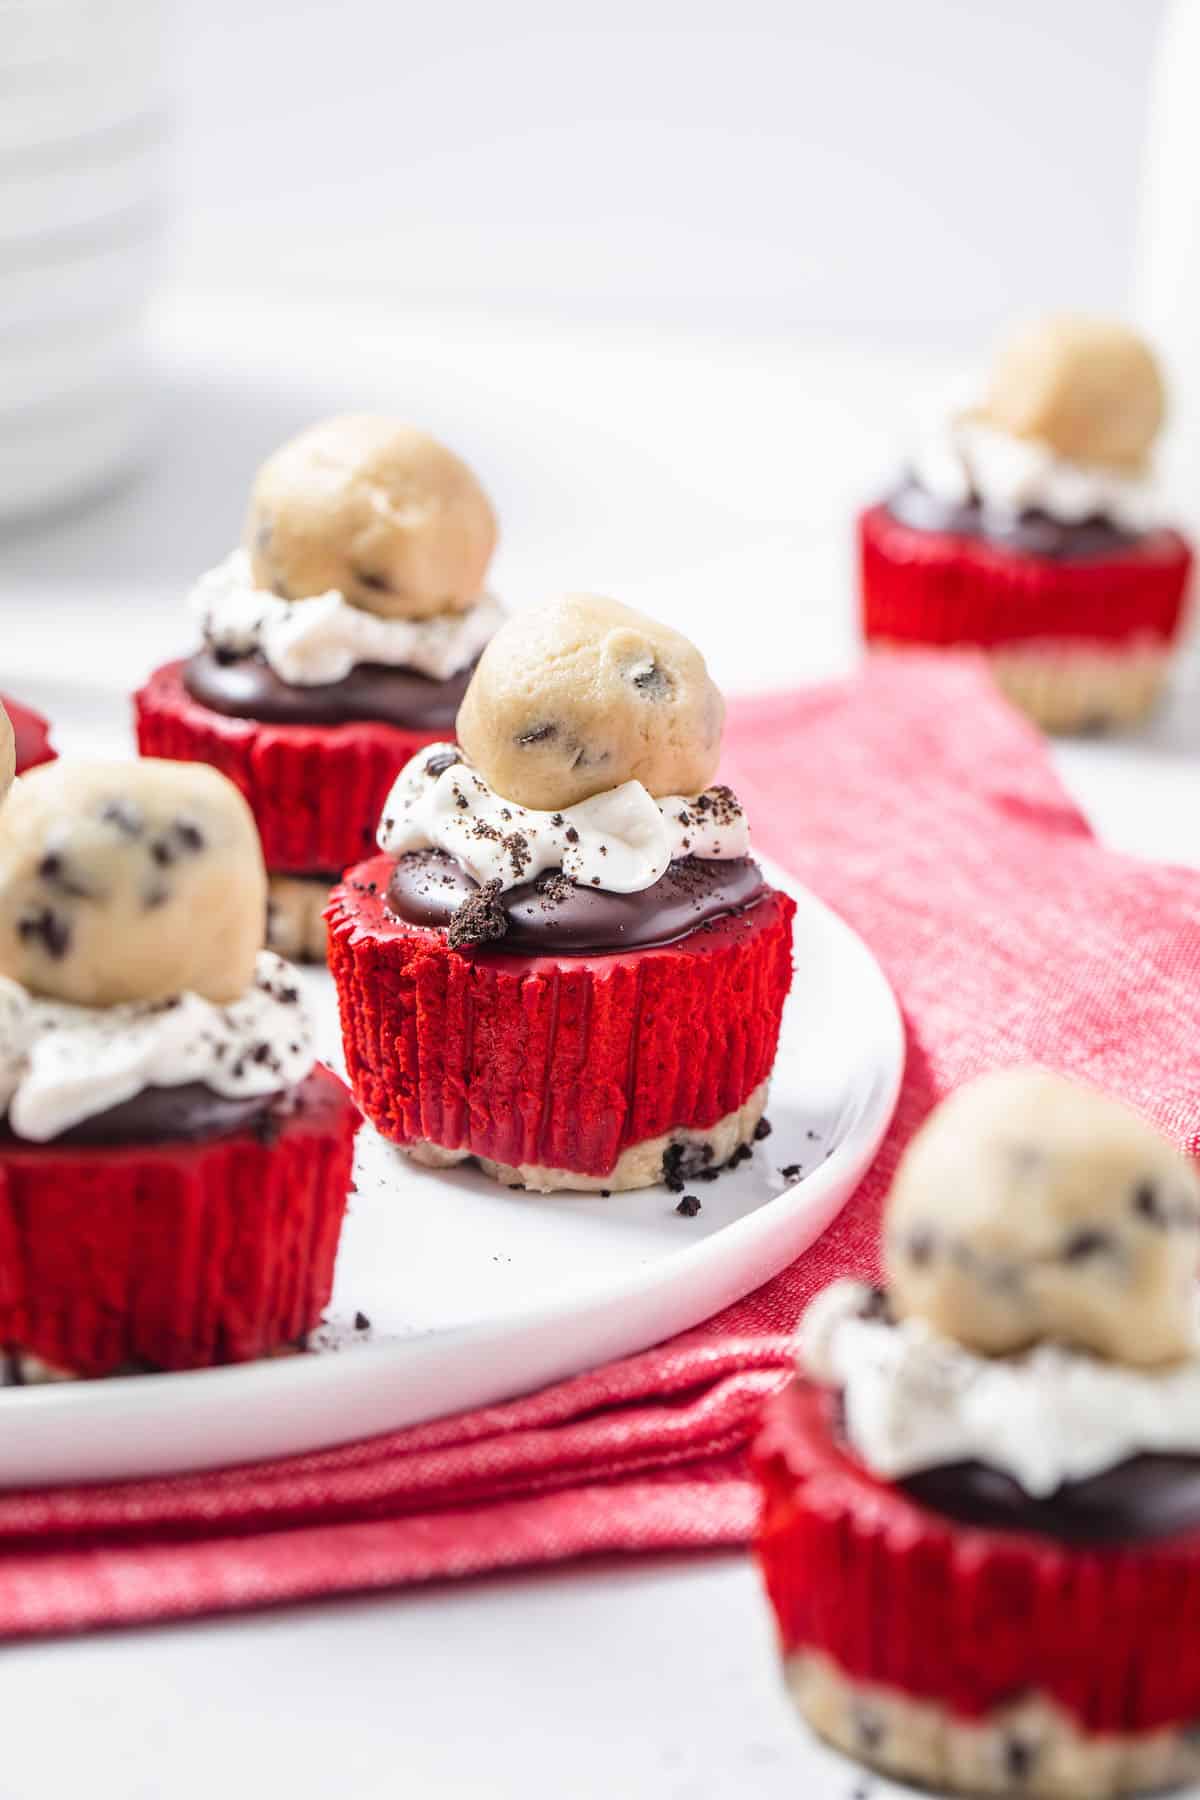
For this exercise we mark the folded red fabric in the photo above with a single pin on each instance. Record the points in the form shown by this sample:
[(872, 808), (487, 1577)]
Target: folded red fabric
[(916, 803)]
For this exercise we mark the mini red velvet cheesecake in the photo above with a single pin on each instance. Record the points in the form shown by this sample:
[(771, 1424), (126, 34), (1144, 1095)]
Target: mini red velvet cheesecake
[(336, 643), (32, 734), (1027, 528), (174, 1166), (562, 965), (980, 1530)]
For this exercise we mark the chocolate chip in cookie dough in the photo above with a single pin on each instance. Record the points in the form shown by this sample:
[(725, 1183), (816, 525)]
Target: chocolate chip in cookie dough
[(49, 929), (53, 869), (1147, 1204), (480, 919), (124, 817), (651, 679), (437, 765), (920, 1247), (1086, 1243), (538, 734)]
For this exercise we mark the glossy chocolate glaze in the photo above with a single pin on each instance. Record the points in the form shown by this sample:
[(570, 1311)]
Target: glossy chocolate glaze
[(246, 687), (184, 1114), (1034, 533), (1145, 1497), (553, 917)]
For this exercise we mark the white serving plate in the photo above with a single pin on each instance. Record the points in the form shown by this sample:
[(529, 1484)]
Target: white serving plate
[(475, 1293)]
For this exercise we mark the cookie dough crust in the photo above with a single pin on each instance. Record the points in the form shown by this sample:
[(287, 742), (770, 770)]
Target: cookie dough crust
[(638, 1166), (1073, 691), (1030, 1748)]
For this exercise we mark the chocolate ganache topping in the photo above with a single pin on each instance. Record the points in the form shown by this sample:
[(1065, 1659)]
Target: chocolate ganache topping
[(247, 687), (1143, 1497), (554, 916), (189, 1113), (1033, 532)]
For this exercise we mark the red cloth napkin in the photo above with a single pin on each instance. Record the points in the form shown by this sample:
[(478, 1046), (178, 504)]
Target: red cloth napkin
[(927, 813)]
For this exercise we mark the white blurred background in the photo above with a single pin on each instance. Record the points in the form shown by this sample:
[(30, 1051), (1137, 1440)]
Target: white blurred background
[(674, 277), (911, 172)]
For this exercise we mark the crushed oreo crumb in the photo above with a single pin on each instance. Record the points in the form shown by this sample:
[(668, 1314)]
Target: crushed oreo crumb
[(361, 1322), (792, 1172), (683, 1163), (689, 1206), (553, 887), (762, 1130), (480, 919)]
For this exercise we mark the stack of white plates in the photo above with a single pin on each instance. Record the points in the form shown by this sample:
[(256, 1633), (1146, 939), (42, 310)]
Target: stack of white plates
[(81, 201)]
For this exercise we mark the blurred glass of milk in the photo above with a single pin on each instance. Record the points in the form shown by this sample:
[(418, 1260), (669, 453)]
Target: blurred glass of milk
[(1167, 289), (82, 129)]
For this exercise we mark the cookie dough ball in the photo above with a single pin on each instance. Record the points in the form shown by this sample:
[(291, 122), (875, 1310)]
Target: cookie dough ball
[(8, 753), (582, 695), (388, 516), (1089, 388), (1030, 1208), (129, 881)]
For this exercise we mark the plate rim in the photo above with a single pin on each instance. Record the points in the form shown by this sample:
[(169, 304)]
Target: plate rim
[(293, 1381)]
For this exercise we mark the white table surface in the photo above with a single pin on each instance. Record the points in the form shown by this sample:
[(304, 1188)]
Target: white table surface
[(710, 481)]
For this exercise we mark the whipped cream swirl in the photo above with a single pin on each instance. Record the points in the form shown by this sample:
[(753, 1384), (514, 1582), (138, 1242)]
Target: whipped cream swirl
[(914, 1400), (622, 840), (310, 643), (61, 1064), (968, 459)]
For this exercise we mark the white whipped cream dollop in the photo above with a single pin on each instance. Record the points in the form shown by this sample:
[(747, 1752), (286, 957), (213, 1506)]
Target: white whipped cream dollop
[(964, 458), (61, 1064), (913, 1400), (622, 840), (311, 642)]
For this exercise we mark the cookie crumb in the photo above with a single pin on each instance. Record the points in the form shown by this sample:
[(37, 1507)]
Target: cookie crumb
[(689, 1206), (792, 1172), (361, 1322), (480, 919), (762, 1130)]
